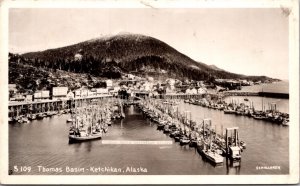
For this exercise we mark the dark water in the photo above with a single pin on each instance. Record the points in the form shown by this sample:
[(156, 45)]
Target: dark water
[(45, 143)]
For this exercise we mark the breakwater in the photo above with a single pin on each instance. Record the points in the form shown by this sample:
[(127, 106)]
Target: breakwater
[(261, 94), (224, 94)]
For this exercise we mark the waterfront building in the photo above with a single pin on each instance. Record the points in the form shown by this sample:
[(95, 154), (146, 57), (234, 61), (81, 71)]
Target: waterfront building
[(92, 93), (28, 98), (18, 97), (70, 95), (45, 94), (101, 91), (37, 96), (59, 93), (84, 92), (77, 93)]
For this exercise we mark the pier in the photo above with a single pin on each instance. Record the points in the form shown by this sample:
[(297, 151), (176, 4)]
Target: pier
[(215, 95), (35, 107), (201, 135), (261, 94)]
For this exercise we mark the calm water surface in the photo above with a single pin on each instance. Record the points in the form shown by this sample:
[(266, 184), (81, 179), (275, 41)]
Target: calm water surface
[(45, 143), (277, 87)]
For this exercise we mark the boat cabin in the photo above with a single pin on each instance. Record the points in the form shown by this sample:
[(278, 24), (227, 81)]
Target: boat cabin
[(235, 152)]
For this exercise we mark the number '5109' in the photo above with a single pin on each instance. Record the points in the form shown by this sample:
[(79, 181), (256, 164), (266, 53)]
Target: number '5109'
[(22, 169)]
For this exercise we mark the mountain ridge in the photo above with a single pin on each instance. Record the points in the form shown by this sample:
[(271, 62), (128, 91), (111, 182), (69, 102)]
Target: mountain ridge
[(124, 53)]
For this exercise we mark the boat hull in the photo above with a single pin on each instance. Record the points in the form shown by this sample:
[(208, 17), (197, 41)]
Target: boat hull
[(74, 139)]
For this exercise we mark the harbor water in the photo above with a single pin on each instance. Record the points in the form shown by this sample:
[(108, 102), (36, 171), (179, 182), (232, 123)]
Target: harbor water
[(275, 87), (43, 146)]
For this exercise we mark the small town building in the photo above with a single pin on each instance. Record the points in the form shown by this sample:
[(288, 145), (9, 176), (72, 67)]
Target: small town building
[(37, 96), (84, 93), (28, 98), (92, 93), (109, 83), (45, 94), (77, 93), (70, 95), (59, 93), (18, 97), (101, 91)]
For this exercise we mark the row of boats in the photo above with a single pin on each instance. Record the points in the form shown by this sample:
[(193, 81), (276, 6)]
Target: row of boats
[(271, 115), (89, 122), (29, 117), (211, 145)]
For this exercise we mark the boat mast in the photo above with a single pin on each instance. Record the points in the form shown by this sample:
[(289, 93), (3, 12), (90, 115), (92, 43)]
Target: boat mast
[(262, 100)]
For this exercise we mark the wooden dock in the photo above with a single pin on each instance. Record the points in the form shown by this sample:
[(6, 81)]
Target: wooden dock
[(22, 108)]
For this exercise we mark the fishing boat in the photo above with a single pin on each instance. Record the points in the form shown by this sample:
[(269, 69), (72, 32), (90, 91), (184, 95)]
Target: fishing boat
[(23, 119), (84, 137), (70, 120), (10, 120), (206, 147), (233, 145), (286, 122), (235, 152), (40, 116), (214, 157), (243, 144), (108, 122), (32, 116), (193, 143), (184, 140), (229, 111), (86, 127), (167, 129), (161, 125), (259, 117), (178, 137)]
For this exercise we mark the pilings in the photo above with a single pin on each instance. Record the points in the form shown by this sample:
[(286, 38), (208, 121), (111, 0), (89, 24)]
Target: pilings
[(22, 108)]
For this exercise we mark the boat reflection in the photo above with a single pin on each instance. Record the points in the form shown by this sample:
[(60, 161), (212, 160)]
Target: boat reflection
[(233, 167)]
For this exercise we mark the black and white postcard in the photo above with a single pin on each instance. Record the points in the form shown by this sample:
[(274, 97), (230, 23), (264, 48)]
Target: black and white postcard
[(148, 92)]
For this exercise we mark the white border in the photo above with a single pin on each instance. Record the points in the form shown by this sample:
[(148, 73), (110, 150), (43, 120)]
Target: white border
[(293, 177)]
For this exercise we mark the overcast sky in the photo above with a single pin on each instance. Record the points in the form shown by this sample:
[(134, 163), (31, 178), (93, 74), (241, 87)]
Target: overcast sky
[(246, 41)]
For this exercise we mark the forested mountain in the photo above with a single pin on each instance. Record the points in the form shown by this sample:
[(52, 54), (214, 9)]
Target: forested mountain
[(109, 56)]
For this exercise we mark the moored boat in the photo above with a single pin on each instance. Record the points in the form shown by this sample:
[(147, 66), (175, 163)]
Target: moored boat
[(184, 140), (286, 122), (79, 138), (40, 116), (213, 157)]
